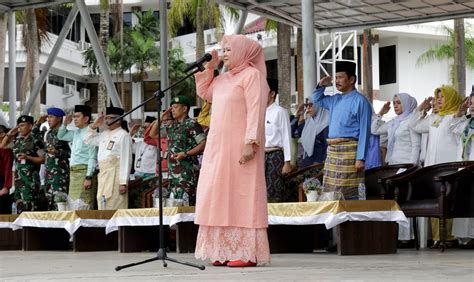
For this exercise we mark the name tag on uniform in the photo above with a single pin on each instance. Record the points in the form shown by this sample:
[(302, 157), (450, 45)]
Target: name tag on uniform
[(110, 145)]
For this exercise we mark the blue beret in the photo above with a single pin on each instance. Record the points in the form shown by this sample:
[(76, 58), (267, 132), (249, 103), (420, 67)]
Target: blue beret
[(56, 112)]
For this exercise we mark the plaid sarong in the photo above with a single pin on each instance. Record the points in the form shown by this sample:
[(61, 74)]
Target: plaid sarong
[(339, 170)]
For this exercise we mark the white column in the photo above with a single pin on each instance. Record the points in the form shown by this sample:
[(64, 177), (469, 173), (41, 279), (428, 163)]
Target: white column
[(12, 68), (309, 58), (137, 99)]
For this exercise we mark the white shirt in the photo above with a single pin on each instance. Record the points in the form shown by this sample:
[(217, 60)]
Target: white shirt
[(277, 129), (145, 156), (406, 146), (442, 143), (113, 143)]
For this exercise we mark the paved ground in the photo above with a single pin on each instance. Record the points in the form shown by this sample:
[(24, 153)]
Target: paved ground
[(454, 265)]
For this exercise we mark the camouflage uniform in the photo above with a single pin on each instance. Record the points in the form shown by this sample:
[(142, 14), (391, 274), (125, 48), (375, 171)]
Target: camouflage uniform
[(28, 195), (56, 166), (183, 175)]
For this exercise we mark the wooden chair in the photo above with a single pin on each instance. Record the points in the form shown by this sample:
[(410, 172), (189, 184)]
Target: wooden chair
[(295, 179), (432, 191), (374, 184)]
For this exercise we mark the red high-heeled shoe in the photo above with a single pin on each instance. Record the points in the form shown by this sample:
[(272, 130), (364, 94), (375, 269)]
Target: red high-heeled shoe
[(239, 263), (218, 263)]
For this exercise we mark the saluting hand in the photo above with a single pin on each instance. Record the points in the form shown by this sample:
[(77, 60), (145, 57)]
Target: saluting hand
[(385, 108), (462, 110), (68, 119), (98, 122), (425, 105), (134, 129), (41, 119), (325, 81)]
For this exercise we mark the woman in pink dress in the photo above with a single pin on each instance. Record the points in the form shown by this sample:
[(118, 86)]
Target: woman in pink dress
[(231, 201)]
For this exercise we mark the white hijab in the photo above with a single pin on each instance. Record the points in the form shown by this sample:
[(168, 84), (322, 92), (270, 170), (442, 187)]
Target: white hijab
[(312, 127), (409, 104)]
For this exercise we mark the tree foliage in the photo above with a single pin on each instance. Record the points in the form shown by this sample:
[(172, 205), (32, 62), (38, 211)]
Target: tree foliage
[(445, 51)]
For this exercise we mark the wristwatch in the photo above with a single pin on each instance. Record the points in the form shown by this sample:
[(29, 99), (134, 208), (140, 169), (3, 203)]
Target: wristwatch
[(186, 154), (88, 177)]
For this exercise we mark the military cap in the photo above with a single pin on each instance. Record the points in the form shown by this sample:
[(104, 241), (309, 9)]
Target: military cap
[(25, 118), (149, 119), (114, 111), (181, 99), (57, 112)]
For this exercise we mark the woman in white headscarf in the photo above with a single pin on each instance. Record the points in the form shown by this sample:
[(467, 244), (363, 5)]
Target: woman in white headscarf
[(313, 133), (403, 142)]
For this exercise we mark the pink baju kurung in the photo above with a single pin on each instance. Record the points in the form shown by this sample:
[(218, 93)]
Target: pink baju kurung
[(231, 203)]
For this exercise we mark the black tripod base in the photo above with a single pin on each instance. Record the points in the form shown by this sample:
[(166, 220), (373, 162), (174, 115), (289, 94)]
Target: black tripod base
[(163, 257)]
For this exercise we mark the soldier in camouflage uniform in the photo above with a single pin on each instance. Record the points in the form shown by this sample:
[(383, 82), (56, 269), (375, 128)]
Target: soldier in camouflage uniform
[(28, 150), (186, 140), (57, 158)]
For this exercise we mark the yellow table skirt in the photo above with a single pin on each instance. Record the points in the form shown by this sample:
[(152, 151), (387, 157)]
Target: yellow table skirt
[(69, 220), (330, 213)]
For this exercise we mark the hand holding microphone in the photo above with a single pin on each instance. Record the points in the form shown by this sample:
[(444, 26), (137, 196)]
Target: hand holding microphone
[(206, 58)]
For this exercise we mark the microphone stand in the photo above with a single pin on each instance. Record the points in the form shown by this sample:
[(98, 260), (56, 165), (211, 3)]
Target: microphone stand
[(161, 254)]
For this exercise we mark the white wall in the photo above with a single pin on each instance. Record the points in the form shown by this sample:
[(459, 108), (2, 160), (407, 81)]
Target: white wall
[(56, 98), (418, 80)]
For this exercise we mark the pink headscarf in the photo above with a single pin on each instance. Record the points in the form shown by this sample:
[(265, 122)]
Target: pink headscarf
[(245, 52)]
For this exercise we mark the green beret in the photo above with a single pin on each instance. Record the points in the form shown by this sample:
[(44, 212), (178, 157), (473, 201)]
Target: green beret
[(180, 100)]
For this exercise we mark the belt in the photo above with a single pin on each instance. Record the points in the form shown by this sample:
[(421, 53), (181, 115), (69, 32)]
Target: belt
[(272, 149), (335, 141), (78, 167)]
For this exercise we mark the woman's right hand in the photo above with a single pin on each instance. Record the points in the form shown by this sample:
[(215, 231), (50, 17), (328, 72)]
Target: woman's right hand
[(248, 154), (462, 110), (425, 105), (212, 64), (385, 108)]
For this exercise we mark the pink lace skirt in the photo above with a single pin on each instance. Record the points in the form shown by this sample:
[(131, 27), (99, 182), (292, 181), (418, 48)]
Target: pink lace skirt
[(222, 244)]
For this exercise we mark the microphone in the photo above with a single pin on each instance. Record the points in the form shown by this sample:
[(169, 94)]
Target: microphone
[(206, 58)]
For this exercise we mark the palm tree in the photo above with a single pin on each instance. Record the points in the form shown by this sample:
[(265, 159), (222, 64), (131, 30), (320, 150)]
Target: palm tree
[(3, 32), (35, 23), (283, 59), (199, 12), (447, 51), (102, 97)]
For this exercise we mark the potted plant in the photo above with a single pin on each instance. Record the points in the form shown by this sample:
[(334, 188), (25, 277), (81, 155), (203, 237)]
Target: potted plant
[(61, 201), (312, 187)]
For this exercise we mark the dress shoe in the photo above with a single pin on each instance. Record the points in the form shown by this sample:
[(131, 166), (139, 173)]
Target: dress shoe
[(239, 263), (218, 263), (331, 249)]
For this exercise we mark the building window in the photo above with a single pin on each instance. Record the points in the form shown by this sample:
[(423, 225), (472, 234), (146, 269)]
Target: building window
[(70, 82), (56, 80), (388, 64)]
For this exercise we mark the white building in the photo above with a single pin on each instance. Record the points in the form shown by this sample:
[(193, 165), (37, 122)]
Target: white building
[(394, 61)]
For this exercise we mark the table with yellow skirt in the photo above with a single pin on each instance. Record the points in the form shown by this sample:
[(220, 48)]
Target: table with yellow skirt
[(55, 230), (363, 227)]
